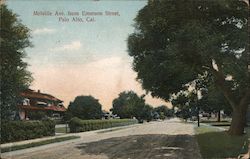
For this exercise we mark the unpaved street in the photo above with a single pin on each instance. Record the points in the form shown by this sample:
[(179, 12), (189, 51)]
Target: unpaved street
[(170, 139)]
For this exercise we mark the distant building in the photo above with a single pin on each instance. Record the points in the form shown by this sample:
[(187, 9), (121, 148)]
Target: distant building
[(33, 101), (109, 115)]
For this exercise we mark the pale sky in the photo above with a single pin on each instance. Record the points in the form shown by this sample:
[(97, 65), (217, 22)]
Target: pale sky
[(81, 58)]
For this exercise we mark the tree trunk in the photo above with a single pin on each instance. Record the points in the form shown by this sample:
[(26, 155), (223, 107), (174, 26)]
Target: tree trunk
[(239, 106), (239, 116), (218, 117), (238, 122)]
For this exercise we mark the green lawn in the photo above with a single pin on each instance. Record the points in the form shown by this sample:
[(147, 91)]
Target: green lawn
[(216, 123), (218, 144), (62, 130), (34, 144)]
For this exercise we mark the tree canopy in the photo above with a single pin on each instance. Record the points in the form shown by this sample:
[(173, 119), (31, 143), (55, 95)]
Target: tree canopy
[(129, 105), (186, 102), (14, 38), (176, 41), (85, 107)]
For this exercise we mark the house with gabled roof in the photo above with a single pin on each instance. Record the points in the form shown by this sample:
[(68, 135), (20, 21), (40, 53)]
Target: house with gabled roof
[(34, 101)]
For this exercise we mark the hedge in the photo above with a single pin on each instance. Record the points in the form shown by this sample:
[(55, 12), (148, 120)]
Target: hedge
[(79, 125), (12, 131)]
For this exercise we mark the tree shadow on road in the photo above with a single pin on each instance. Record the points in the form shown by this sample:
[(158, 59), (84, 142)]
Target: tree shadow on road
[(152, 146)]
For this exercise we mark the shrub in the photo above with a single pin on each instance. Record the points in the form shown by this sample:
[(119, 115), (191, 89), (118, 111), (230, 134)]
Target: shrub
[(78, 125), (12, 131)]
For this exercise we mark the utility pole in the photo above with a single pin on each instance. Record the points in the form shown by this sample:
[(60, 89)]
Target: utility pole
[(198, 113), (199, 97)]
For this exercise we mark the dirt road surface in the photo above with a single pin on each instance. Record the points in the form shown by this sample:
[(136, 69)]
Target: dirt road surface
[(170, 139)]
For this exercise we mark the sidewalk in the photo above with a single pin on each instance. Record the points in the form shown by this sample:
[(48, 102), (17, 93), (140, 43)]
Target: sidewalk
[(34, 140), (83, 136), (61, 135), (206, 124)]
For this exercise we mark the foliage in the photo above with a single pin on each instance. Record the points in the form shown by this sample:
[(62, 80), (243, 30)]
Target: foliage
[(162, 116), (14, 38), (147, 112), (78, 125), (214, 101), (121, 105), (186, 102), (176, 41), (67, 116), (211, 99), (36, 115), (129, 105), (164, 110), (12, 131), (85, 107)]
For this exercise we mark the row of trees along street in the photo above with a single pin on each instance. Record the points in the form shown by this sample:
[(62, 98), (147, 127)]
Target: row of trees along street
[(175, 42), (200, 95), (127, 105)]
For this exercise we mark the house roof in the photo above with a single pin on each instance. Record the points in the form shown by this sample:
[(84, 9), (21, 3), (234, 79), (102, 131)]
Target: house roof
[(33, 94)]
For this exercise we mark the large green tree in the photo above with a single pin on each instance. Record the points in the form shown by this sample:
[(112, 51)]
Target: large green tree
[(85, 107), (129, 105), (176, 41), (14, 77), (120, 104)]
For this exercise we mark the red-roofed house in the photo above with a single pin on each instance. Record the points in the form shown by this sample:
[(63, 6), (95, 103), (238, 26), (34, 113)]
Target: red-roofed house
[(36, 101)]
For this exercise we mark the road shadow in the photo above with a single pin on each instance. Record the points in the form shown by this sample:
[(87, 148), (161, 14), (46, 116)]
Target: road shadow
[(153, 146)]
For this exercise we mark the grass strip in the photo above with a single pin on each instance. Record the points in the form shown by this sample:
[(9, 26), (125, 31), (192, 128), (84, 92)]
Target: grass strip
[(35, 144), (221, 124), (215, 121), (219, 144)]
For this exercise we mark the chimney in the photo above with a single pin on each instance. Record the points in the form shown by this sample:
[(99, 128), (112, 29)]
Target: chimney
[(38, 91)]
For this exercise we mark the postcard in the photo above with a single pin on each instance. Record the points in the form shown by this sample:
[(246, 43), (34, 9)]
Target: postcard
[(127, 79)]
